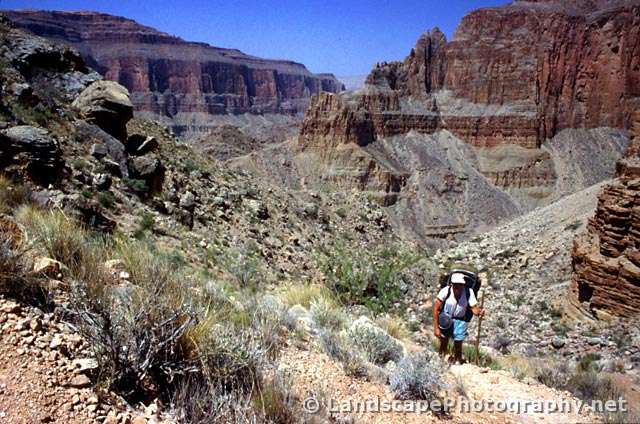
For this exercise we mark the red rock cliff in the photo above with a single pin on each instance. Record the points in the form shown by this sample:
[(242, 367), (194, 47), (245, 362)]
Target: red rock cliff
[(519, 74), (167, 75), (606, 260)]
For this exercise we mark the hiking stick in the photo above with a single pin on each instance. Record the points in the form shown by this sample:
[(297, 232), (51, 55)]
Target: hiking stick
[(479, 327)]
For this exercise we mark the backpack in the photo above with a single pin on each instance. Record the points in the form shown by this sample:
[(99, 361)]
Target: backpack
[(472, 282)]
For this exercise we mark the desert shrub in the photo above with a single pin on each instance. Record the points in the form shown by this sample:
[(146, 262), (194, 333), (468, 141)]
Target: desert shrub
[(145, 225), (585, 383), (371, 279), (195, 401), (269, 318), (326, 314), (393, 325), (375, 344), (137, 186), (15, 281), (106, 199), (228, 355), (136, 330), (621, 417), (417, 377), (590, 385), (336, 346), (275, 402), (483, 359), (460, 386), (63, 238), (554, 374), (12, 194), (588, 362), (560, 328), (519, 366), (244, 263)]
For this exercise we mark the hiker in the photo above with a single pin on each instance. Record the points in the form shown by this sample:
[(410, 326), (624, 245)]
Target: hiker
[(452, 320)]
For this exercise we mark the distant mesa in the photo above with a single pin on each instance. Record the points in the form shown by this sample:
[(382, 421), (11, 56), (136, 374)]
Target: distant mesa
[(181, 83)]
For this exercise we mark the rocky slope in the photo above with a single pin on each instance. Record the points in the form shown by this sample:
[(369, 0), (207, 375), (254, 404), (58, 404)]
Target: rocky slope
[(184, 82), (606, 262), (527, 103)]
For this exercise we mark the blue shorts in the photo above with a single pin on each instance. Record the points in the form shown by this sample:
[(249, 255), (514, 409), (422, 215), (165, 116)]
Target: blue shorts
[(458, 330)]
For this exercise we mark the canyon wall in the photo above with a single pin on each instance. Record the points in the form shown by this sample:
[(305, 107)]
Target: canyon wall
[(183, 82), (606, 260), (515, 84)]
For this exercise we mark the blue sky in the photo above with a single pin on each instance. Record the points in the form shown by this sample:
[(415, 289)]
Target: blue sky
[(343, 37)]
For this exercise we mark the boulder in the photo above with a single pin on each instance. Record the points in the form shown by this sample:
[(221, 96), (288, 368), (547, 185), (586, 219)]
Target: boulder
[(47, 266), (139, 144), (102, 181), (188, 201), (33, 149), (91, 213), (150, 170), (106, 104), (104, 147)]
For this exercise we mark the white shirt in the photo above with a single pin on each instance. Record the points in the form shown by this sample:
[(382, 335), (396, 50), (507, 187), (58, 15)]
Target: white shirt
[(457, 308)]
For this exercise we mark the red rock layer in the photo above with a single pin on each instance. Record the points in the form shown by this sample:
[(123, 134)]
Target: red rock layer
[(167, 75), (570, 64), (606, 260)]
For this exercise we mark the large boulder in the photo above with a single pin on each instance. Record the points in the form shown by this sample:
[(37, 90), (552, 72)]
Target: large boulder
[(32, 149), (106, 104), (149, 169)]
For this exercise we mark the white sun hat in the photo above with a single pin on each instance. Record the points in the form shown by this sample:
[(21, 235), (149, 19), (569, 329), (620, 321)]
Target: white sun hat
[(458, 278)]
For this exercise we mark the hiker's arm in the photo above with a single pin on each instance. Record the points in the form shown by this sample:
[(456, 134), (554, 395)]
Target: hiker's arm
[(436, 311), (477, 311)]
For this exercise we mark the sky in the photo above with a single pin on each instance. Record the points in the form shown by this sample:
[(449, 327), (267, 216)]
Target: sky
[(343, 37)]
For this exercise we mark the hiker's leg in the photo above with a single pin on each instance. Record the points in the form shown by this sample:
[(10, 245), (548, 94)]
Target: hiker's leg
[(457, 350), (444, 345), (459, 334)]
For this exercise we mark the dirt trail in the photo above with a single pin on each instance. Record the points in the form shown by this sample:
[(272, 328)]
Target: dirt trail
[(315, 373), (500, 386)]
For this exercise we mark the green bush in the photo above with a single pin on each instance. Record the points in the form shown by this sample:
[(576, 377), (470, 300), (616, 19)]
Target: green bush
[(145, 226), (137, 186), (106, 199), (374, 280)]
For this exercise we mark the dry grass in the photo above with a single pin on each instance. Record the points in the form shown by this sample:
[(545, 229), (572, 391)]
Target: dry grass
[(393, 325), (61, 237), (12, 195), (304, 294)]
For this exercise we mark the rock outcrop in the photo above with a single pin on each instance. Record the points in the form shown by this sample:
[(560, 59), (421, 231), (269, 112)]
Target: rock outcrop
[(106, 104), (34, 150), (173, 78), (511, 91), (606, 260)]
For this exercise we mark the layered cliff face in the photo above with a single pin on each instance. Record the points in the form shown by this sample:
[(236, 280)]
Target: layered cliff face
[(606, 260), (171, 78), (533, 88)]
